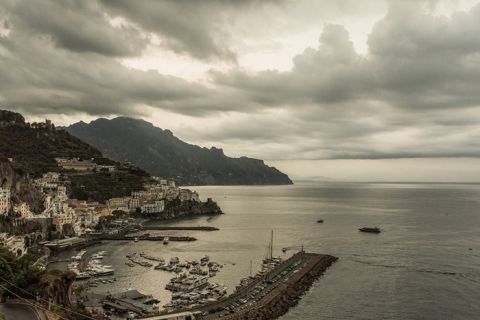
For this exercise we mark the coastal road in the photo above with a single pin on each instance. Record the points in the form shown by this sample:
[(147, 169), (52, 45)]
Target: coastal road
[(16, 311)]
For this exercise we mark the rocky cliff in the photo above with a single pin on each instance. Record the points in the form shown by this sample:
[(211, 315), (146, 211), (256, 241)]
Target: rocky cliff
[(160, 153), (20, 186)]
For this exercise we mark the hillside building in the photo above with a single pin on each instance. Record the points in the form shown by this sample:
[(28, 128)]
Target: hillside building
[(4, 201)]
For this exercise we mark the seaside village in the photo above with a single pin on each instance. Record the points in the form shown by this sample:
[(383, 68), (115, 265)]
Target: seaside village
[(81, 215), (55, 222)]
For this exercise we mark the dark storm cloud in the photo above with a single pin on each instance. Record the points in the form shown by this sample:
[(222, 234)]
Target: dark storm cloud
[(394, 101), (57, 58), (191, 27), (38, 78), (77, 26), (414, 94)]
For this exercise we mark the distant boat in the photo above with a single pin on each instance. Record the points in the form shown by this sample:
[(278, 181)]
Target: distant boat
[(320, 221), (370, 230)]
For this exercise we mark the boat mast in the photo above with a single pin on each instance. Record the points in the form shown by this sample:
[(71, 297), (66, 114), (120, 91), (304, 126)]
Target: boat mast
[(271, 246)]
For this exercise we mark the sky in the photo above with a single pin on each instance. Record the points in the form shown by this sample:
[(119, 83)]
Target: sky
[(361, 90)]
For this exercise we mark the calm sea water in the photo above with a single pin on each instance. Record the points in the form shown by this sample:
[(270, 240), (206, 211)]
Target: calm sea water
[(424, 265)]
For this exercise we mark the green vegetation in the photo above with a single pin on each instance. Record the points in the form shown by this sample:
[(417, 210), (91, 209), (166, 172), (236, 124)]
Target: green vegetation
[(102, 186), (34, 150), (18, 272)]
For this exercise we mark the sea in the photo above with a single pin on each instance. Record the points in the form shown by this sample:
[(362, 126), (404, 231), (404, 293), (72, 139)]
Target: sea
[(424, 265)]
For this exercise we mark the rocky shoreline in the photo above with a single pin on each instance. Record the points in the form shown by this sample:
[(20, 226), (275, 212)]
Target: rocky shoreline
[(185, 209), (289, 296)]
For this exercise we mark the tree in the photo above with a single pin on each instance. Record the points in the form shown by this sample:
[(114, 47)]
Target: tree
[(118, 213)]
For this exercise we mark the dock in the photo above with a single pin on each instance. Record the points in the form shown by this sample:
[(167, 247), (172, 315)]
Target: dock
[(148, 238), (165, 228), (267, 297), (273, 296), (70, 243)]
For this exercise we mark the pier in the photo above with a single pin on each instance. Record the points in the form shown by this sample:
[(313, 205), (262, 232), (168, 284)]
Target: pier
[(165, 228), (273, 296), (148, 238)]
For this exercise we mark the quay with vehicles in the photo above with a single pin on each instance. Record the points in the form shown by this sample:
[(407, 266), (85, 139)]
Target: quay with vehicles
[(267, 295)]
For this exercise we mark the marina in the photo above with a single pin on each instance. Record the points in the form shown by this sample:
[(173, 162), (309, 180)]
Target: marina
[(239, 246), (190, 286), (94, 267)]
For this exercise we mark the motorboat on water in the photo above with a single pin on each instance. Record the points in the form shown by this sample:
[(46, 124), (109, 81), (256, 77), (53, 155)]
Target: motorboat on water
[(370, 230)]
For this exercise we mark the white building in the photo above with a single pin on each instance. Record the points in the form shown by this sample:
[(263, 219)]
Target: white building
[(120, 204), (107, 168), (76, 164), (15, 244), (188, 195), (153, 207), (133, 204), (4, 200)]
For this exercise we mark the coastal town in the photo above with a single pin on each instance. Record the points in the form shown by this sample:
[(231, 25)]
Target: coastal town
[(63, 205), (72, 217)]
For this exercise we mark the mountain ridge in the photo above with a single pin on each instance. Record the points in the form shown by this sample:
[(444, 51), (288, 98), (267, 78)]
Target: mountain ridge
[(161, 153)]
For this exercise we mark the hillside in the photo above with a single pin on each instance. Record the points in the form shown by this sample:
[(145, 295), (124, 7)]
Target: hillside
[(34, 147), (17, 181), (160, 153)]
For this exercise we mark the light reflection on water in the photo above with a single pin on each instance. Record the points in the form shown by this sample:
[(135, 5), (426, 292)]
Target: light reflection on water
[(420, 267)]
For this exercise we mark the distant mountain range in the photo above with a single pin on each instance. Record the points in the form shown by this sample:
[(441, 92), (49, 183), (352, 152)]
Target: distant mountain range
[(160, 153)]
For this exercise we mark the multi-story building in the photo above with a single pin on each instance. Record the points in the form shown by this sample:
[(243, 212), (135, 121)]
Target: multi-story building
[(76, 164), (118, 204), (133, 204), (85, 219), (153, 206), (4, 201), (188, 195), (23, 209), (60, 219)]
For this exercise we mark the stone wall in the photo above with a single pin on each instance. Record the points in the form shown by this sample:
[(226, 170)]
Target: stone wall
[(289, 295)]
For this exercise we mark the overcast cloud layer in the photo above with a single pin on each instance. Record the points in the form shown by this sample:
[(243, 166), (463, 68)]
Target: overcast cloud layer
[(276, 79)]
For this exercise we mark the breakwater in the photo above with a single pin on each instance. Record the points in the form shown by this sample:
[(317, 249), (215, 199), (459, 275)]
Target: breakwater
[(287, 295), (148, 238), (164, 228), (295, 277)]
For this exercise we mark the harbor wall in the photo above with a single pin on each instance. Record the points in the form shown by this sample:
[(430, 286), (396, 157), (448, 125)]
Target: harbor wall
[(286, 295)]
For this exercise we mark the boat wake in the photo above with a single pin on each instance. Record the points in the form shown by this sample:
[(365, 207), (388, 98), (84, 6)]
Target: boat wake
[(407, 268)]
